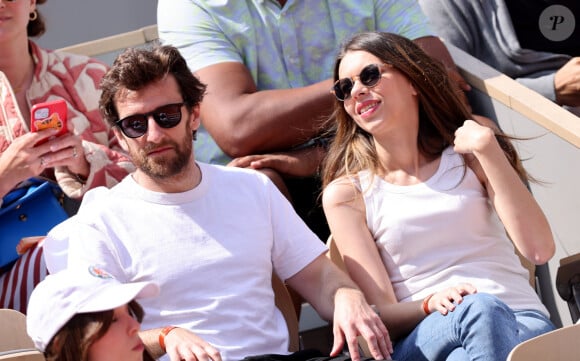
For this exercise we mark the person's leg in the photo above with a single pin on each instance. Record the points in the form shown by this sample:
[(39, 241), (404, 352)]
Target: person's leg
[(482, 325), (532, 324), (459, 354), (432, 339)]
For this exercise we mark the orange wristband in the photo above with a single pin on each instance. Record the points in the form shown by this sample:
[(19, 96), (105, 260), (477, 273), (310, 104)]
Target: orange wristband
[(425, 304), (162, 335)]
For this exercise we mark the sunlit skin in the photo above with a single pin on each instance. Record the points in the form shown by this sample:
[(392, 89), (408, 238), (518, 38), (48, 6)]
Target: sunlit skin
[(14, 16), (121, 342), (388, 106), (389, 112), (163, 157)]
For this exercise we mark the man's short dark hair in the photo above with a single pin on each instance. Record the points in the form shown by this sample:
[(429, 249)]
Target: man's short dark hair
[(136, 68)]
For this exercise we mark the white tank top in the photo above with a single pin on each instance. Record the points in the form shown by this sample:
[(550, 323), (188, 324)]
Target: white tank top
[(443, 232)]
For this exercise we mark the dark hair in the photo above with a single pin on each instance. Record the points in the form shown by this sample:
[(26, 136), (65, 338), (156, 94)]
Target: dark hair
[(441, 108), (136, 68), (37, 26), (73, 340)]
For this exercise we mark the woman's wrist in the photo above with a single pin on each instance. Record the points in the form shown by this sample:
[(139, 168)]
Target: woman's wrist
[(425, 304), (163, 334)]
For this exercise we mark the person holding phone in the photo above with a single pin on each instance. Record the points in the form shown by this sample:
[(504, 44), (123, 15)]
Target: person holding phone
[(86, 314), (86, 156)]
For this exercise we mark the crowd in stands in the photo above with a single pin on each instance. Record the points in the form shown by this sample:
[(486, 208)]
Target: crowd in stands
[(229, 153), (534, 42)]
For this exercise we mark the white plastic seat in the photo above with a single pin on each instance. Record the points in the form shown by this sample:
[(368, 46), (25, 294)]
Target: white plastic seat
[(562, 344), (15, 344)]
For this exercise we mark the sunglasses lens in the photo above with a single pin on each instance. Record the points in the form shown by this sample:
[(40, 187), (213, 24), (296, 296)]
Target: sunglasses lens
[(134, 126), (168, 116), (370, 75), (342, 88)]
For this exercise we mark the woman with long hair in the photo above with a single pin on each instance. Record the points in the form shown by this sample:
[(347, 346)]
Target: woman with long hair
[(419, 198)]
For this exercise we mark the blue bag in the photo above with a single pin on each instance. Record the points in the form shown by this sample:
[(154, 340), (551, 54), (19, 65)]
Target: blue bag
[(30, 210)]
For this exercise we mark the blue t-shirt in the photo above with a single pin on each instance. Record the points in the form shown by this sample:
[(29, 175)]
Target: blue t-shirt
[(282, 47)]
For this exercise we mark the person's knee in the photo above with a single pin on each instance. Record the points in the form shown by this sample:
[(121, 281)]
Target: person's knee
[(484, 305)]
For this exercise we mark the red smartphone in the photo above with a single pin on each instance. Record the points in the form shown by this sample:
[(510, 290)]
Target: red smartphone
[(47, 115)]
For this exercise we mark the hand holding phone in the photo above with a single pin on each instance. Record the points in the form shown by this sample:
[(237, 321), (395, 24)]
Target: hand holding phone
[(48, 115)]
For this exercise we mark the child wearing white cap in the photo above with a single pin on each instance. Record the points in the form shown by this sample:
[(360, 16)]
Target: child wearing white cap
[(87, 315)]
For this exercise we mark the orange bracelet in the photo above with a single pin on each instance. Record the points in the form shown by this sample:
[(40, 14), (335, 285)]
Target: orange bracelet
[(425, 304), (162, 335)]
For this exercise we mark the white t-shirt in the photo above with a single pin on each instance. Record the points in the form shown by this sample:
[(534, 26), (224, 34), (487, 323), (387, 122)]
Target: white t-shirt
[(211, 249)]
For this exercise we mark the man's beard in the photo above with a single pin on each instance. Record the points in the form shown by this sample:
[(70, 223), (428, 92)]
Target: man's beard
[(167, 166)]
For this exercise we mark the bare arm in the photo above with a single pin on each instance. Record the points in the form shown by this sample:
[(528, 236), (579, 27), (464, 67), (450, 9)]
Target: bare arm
[(243, 120), (516, 207), (335, 297), (345, 212)]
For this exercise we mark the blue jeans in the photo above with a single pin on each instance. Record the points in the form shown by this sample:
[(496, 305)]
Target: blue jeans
[(480, 328)]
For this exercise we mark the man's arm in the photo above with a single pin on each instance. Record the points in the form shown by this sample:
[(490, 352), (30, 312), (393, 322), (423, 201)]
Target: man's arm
[(336, 297), (245, 121)]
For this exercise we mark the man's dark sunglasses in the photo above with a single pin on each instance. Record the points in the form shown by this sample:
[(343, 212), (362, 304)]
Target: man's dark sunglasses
[(369, 77), (166, 116)]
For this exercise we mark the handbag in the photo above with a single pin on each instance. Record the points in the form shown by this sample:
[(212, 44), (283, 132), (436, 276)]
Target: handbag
[(32, 209)]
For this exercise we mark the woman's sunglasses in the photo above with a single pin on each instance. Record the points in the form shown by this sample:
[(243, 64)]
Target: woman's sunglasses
[(369, 77), (166, 116)]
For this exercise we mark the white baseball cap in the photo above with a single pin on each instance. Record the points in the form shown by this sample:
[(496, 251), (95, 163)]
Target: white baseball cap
[(60, 296)]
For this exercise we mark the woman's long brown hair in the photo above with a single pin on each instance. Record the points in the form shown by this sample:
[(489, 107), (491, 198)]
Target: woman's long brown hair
[(441, 109)]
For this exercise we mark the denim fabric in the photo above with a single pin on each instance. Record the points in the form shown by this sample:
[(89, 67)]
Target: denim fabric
[(480, 328)]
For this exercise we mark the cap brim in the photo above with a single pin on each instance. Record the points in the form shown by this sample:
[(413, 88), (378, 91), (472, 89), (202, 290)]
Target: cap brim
[(113, 296)]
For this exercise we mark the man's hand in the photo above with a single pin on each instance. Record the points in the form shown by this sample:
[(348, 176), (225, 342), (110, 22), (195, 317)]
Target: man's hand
[(567, 83), (294, 163), (353, 317)]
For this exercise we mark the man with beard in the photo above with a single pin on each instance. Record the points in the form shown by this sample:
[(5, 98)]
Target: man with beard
[(210, 236)]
